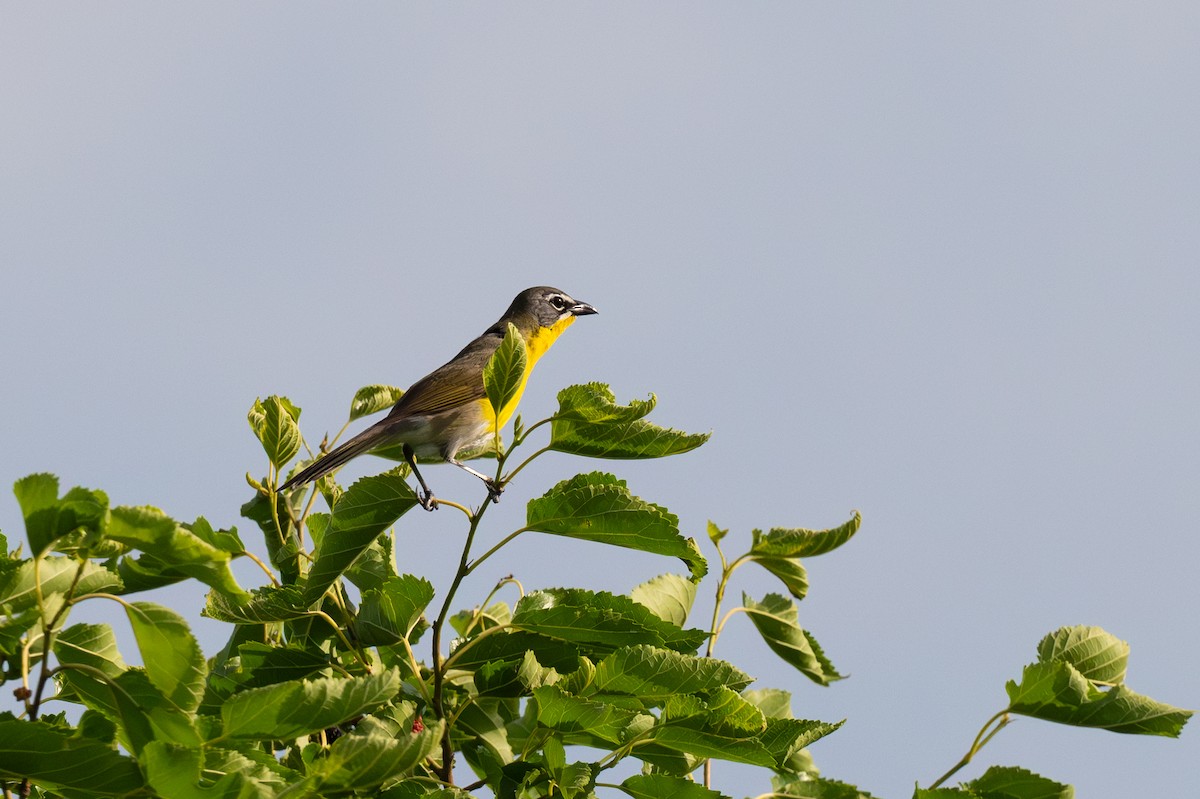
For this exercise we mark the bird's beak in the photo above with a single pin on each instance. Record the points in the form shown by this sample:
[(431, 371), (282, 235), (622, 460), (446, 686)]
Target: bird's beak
[(582, 309)]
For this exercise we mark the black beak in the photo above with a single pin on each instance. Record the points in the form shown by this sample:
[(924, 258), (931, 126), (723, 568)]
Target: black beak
[(582, 309)]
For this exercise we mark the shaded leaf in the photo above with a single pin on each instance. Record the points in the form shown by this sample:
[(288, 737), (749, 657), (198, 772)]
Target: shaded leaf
[(368, 507), (797, 543), (776, 620), (263, 605), (18, 585), (1009, 782), (58, 761), (174, 662), (1058, 692), (587, 721), (173, 547), (390, 613), (364, 762), (665, 786)]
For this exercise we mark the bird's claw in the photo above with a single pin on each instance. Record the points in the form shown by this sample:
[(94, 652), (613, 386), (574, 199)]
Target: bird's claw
[(427, 499), (494, 491)]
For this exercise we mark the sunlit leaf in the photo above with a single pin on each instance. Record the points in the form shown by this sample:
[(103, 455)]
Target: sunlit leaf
[(372, 399), (504, 374), (589, 422), (655, 674), (299, 707), (600, 622), (58, 761), (172, 656), (668, 596), (599, 507), (1099, 656)]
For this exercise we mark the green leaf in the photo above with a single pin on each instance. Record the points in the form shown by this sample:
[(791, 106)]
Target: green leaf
[(599, 507), (504, 374), (266, 664), (665, 786), (776, 620), (785, 737), (789, 570), (599, 622), (810, 786), (798, 543), (668, 596), (942, 793), (713, 744), (1096, 654), (299, 707), (369, 507), (586, 721), (176, 771), (273, 421), (19, 586), (263, 605), (55, 760), (373, 399), (92, 645), (227, 540), (589, 422), (48, 518), (174, 550), (364, 762), (513, 678), (1010, 782), (716, 534), (773, 702), (512, 645), (1058, 692), (390, 613), (654, 674), (174, 662)]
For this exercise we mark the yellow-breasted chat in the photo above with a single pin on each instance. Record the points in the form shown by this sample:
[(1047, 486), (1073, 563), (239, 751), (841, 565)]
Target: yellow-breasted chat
[(447, 411)]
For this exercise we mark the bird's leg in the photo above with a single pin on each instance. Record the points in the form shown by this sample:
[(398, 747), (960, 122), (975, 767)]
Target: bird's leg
[(424, 496), (494, 489)]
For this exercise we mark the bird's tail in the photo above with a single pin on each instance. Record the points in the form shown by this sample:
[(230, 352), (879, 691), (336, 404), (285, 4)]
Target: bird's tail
[(367, 440)]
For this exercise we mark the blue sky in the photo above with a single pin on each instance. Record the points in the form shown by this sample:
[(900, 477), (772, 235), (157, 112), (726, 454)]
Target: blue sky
[(934, 262)]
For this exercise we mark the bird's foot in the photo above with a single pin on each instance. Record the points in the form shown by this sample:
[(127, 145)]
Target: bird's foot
[(427, 499), (494, 490)]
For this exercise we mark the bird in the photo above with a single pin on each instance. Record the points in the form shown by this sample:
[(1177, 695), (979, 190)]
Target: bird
[(447, 411)]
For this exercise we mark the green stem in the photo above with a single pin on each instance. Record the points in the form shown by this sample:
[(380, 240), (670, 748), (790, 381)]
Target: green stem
[(1001, 720)]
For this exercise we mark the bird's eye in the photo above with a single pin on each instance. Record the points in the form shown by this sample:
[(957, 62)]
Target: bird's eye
[(558, 302)]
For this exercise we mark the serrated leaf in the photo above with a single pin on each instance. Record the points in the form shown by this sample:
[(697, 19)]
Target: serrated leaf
[(174, 661), (512, 645), (668, 596), (587, 721), (654, 675), (1010, 782), (362, 763), (55, 760), (810, 786), (504, 374), (589, 422), (599, 622), (599, 507), (273, 421), (267, 664), (48, 518), (785, 737), (1099, 656), (299, 707), (176, 771), (799, 543), (389, 613), (513, 678), (373, 399), (665, 786), (368, 507), (263, 605), (713, 744), (173, 549), (776, 621), (1058, 692), (789, 571), (19, 584)]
